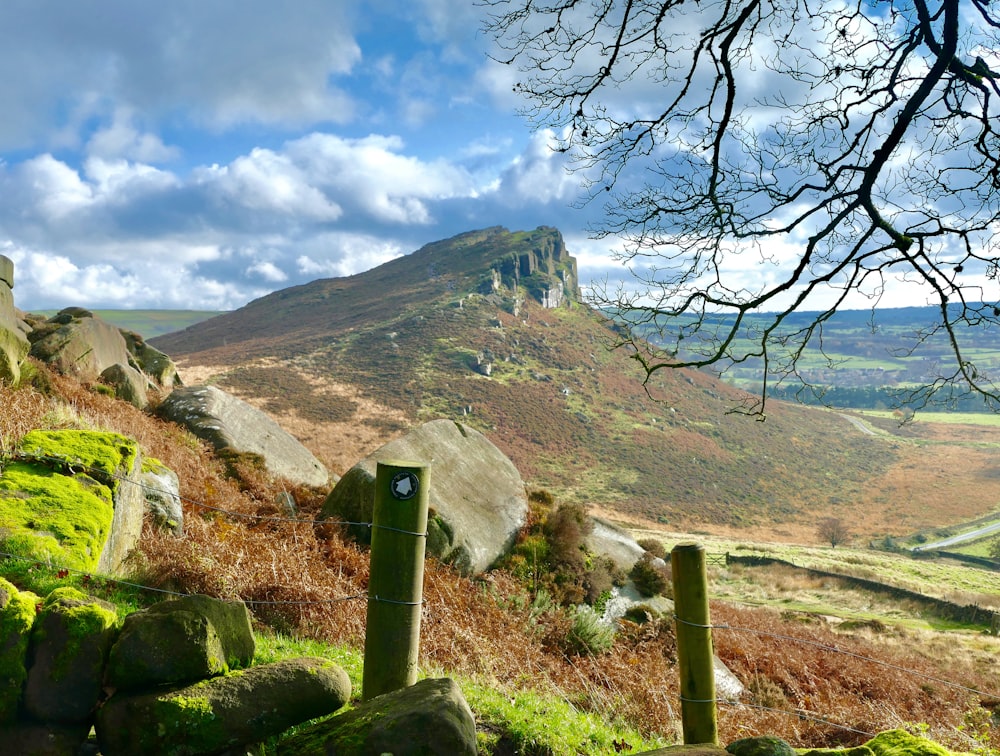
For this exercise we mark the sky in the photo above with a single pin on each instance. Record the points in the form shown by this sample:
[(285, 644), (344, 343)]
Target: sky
[(198, 155), (193, 155)]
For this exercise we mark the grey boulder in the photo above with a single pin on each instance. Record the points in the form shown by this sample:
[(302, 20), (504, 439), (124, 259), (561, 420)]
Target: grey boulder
[(477, 498), (230, 424)]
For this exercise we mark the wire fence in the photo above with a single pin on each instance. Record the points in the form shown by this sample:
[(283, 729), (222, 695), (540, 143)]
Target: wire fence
[(75, 466)]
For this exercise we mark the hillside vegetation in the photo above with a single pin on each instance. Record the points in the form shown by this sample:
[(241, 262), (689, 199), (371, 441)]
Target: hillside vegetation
[(494, 636), (348, 363)]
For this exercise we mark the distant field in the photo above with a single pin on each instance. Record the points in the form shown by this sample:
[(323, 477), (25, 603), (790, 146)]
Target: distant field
[(956, 418), (150, 323)]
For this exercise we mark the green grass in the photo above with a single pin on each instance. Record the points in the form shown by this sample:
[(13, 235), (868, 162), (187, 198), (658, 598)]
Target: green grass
[(929, 415), (935, 578)]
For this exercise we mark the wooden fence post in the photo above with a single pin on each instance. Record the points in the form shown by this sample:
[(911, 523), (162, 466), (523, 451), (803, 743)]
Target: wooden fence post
[(695, 659), (395, 584)]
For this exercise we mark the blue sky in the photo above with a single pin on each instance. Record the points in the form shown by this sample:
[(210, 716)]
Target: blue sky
[(199, 155)]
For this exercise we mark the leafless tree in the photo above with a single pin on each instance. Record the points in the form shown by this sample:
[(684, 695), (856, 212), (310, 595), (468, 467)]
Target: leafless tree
[(833, 531), (831, 149)]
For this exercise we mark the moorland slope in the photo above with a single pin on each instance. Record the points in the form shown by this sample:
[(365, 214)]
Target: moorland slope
[(458, 329)]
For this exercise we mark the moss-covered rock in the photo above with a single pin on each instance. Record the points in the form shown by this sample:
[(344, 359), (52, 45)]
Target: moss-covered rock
[(902, 743), (861, 750), (17, 615), (72, 499), (179, 641), (427, 719), (212, 716), (69, 646), (765, 745)]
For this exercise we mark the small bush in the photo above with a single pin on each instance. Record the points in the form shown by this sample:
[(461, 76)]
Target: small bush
[(654, 546), (649, 578), (767, 693), (588, 636)]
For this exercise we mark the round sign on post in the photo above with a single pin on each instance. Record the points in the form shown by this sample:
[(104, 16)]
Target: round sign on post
[(404, 485)]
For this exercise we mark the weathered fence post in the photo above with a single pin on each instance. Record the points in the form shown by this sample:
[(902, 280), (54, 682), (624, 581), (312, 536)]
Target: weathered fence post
[(695, 659), (395, 584)]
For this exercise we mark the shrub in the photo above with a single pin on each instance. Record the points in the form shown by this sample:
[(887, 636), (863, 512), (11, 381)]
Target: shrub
[(588, 636), (654, 546), (565, 530), (649, 578)]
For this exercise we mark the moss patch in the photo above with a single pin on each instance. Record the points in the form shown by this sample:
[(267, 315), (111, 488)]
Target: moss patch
[(103, 454), (188, 719), (51, 517)]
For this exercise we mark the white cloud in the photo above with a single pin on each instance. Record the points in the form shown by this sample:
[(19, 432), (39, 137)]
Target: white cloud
[(122, 140), (265, 180), (268, 271), (373, 175)]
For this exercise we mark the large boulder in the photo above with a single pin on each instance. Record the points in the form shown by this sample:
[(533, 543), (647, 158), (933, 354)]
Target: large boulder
[(75, 342), (224, 712), (180, 640), (477, 498), (73, 498), (230, 424), (69, 645), (13, 344), (427, 719)]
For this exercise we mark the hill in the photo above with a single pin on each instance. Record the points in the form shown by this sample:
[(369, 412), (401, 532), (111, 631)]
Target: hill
[(459, 329)]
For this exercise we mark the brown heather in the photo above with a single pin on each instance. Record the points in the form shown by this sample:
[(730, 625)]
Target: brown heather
[(484, 626)]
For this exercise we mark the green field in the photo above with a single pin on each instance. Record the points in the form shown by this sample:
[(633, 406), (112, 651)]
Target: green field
[(149, 323)]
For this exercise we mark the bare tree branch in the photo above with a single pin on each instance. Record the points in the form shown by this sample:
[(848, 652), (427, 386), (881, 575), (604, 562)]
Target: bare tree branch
[(836, 149)]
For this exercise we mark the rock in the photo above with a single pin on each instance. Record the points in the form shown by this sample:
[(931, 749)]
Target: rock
[(151, 361), (431, 717), (14, 346), (76, 343), (224, 712), (69, 645), (129, 384), (286, 506), (616, 544), (162, 490), (17, 615), (47, 739), (180, 640), (765, 745), (85, 502), (229, 423), (477, 498)]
